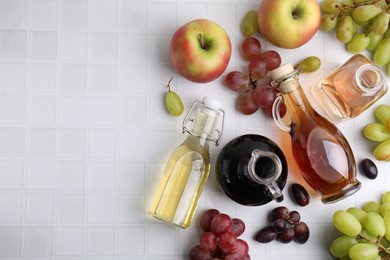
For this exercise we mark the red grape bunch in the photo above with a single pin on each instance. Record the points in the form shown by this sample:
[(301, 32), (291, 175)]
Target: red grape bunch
[(286, 226), (219, 239), (254, 88)]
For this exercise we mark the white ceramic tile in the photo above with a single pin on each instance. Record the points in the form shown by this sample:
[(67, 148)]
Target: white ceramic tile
[(72, 142), (42, 110), (74, 14), (41, 174), (104, 46), (101, 241), (165, 247), (12, 109), (102, 142), (69, 240), (73, 110), (42, 142), (13, 44), (104, 14), (44, 45), (74, 45), (130, 44), (44, 14), (102, 175), (132, 176), (130, 245), (167, 10), (159, 48), (101, 207), (71, 175), (12, 174), (134, 15), (40, 207), (133, 111), (165, 139), (73, 78), (12, 207), (133, 79), (132, 144), (13, 13), (131, 208), (70, 207), (38, 240), (11, 237), (12, 141), (104, 79), (102, 110), (43, 77), (13, 77)]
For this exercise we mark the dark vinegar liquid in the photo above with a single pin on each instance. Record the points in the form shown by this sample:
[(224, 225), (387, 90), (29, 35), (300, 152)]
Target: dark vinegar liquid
[(232, 169), (322, 154)]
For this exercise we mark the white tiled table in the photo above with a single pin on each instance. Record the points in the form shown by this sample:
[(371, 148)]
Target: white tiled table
[(84, 134)]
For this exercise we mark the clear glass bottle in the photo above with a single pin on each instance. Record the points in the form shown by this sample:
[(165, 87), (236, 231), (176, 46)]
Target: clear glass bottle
[(252, 170), (351, 88), (321, 151), (188, 167)]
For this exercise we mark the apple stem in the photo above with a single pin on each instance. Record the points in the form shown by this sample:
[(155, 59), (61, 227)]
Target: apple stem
[(168, 84), (201, 41)]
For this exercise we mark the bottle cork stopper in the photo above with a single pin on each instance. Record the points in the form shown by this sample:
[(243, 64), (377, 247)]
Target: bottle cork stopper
[(282, 71)]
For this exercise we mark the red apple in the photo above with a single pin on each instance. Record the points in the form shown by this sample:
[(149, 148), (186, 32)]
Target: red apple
[(200, 50), (289, 23)]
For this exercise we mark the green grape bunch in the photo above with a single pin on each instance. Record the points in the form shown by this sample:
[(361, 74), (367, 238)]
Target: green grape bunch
[(379, 132), (360, 25), (364, 232)]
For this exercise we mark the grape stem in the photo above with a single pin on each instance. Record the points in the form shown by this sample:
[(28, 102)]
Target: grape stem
[(383, 251), (341, 8), (252, 82), (169, 84)]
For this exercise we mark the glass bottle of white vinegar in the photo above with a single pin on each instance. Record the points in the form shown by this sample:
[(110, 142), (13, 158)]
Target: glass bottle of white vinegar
[(188, 167)]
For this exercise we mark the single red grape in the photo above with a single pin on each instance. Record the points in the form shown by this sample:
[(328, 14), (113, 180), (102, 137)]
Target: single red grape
[(206, 218), (258, 68), (246, 104), (272, 58), (250, 48), (302, 232), (237, 81), (286, 236), (208, 241), (220, 224), (227, 242), (264, 95), (198, 253), (238, 227)]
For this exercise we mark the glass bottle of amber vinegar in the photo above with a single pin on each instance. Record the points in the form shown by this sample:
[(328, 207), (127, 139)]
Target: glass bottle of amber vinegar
[(321, 151)]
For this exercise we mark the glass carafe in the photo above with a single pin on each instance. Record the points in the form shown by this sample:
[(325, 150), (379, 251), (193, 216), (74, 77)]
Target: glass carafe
[(252, 170), (351, 88), (321, 151), (188, 167)]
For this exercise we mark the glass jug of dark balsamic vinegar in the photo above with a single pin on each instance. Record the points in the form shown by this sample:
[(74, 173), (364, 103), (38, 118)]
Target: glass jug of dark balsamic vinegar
[(252, 170), (321, 151)]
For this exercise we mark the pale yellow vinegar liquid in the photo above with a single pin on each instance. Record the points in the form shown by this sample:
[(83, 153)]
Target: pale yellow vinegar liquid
[(182, 183)]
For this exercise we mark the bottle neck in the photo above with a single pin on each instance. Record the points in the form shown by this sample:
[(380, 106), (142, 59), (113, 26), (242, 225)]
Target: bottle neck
[(369, 79), (204, 124)]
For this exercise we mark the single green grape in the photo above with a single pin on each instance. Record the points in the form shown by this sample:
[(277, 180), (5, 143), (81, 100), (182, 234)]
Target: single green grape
[(380, 23), (382, 151), (382, 113), (363, 251), (346, 223), (328, 22), (366, 12), (366, 237), (375, 39), (173, 102), (330, 6), (384, 209), (345, 29), (382, 53), (371, 206), (388, 69), (358, 213), (341, 245), (386, 220), (309, 64), (249, 25), (358, 43), (385, 197), (374, 224), (376, 132)]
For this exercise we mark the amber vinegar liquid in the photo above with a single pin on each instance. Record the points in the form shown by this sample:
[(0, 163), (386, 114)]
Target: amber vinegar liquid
[(321, 152)]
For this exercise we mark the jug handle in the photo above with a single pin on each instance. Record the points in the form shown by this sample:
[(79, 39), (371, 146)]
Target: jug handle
[(276, 115)]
